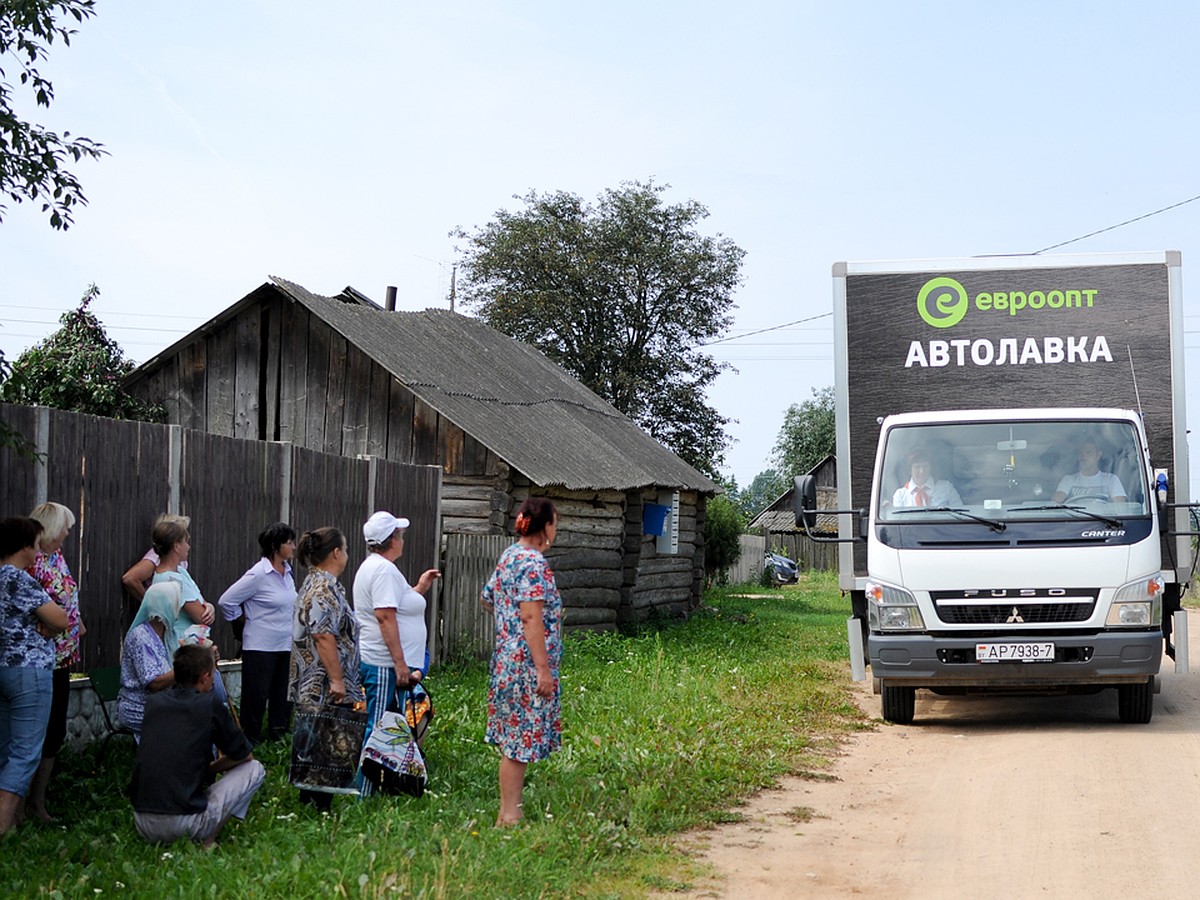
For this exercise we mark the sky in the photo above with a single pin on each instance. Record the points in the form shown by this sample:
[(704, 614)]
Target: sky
[(339, 146)]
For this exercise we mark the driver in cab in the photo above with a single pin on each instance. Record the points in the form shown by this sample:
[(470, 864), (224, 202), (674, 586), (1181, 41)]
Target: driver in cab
[(923, 489), (1089, 482)]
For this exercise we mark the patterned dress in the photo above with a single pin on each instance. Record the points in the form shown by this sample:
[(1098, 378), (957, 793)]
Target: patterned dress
[(55, 578), (321, 608), (525, 727), (143, 658)]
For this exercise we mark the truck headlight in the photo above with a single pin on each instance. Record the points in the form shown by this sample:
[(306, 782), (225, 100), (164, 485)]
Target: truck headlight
[(892, 608), (1137, 604)]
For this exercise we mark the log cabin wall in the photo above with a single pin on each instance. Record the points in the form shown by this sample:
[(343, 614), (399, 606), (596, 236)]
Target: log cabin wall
[(669, 584), (588, 553), (610, 572)]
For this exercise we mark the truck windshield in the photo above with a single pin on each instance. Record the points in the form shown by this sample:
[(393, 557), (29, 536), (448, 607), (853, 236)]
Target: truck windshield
[(1013, 471)]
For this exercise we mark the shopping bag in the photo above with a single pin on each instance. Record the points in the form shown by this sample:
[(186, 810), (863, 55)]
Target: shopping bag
[(326, 745), (391, 759)]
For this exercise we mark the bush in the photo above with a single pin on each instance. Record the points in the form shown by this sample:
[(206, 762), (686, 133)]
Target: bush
[(723, 529)]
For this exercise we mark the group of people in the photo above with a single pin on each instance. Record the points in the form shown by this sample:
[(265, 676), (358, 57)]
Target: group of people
[(307, 645)]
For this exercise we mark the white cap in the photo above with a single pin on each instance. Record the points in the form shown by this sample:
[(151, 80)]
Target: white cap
[(381, 526)]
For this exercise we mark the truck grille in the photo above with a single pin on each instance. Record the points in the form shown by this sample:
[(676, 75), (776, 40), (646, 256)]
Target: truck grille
[(1014, 607)]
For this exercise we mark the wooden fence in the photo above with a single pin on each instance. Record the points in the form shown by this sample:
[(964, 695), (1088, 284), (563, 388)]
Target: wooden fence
[(750, 563), (808, 554), (467, 629), (118, 476)]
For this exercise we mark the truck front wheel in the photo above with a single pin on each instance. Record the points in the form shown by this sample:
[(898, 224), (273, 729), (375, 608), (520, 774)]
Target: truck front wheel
[(899, 704), (1135, 702)]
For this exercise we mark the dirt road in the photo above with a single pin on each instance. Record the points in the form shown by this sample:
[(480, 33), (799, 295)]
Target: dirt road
[(983, 798)]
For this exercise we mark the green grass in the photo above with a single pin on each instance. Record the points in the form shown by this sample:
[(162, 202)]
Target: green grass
[(664, 730)]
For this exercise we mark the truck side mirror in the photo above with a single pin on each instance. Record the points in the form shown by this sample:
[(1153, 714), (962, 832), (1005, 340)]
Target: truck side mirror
[(804, 499)]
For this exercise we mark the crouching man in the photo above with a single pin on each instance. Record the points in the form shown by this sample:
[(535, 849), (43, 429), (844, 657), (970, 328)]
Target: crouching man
[(173, 790)]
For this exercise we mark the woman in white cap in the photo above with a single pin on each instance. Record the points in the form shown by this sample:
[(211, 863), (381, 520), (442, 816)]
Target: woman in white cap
[(391, 618)]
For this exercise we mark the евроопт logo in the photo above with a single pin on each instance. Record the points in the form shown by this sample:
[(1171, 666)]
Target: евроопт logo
[(942, 302)]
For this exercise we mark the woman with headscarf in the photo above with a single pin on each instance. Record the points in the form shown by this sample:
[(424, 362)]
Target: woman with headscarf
[(146, 662)]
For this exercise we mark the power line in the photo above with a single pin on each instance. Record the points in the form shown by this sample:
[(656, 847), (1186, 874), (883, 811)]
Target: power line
[(739, 337), (104, 312), (109, 327), (1118, 225)]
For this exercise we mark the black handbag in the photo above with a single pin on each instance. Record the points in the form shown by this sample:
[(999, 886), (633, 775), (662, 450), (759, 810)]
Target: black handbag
[(326, 744)]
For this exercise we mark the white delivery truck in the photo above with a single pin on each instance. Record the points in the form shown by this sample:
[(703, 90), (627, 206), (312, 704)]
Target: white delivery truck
[(1012, 474)]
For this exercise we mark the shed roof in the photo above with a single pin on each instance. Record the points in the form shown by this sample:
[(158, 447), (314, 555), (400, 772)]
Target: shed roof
[(505, 394), (780, 515)]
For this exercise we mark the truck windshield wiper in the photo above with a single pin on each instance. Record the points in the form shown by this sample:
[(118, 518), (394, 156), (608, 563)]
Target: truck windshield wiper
[(1107, 520), (990, 523)]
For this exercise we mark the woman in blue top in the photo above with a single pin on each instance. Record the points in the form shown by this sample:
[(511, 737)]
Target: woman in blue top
[(29, 621)]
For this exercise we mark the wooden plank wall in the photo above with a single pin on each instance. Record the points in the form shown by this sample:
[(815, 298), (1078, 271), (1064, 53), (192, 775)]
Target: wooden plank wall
[(17, 475), (413, 492), (276, 372), (749, 566), (115, 476), (230, 488), (809, 554)]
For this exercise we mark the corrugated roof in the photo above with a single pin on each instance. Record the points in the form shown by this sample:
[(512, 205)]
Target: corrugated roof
[(528, 410)]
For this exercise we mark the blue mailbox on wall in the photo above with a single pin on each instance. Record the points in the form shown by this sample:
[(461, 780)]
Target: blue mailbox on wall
[(654, 518)]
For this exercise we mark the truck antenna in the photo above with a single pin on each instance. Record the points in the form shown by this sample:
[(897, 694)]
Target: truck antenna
[(1132, 371)]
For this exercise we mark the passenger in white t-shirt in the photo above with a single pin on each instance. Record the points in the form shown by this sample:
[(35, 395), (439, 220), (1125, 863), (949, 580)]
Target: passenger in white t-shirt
[(1089, 481), (391, 618)]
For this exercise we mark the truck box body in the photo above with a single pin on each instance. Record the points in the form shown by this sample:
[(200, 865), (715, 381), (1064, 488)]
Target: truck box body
[(1003, 375)]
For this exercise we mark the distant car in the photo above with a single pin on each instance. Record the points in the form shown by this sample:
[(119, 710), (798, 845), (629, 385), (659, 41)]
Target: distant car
[(782, 569)]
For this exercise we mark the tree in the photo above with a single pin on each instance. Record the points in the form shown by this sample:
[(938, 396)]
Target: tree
[(623, 294), (78, 368), (807, 436), (32, 159), (723, 527), (767, 486)]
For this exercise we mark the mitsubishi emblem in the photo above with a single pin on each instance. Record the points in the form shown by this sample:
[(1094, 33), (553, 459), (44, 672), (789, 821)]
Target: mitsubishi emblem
[(1015, 617)]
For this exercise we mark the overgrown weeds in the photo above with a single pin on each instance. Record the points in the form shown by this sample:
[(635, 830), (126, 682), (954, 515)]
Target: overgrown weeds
[(665, 729)]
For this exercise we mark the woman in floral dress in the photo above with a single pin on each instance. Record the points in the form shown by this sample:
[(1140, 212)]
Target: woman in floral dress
[(524, 709)]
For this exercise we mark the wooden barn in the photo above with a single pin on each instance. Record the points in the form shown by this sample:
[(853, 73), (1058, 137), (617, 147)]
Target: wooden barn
[(343, 375), (778, 522)]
